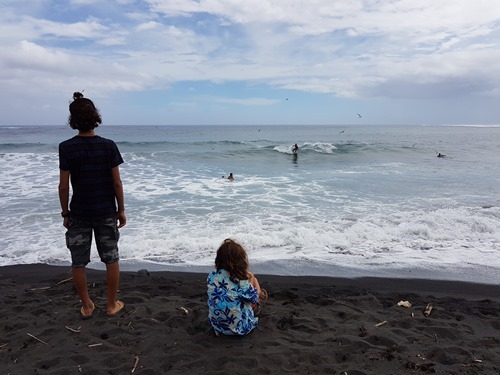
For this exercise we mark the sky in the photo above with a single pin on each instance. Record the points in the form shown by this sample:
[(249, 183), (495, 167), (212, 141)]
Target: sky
[(252, 62)]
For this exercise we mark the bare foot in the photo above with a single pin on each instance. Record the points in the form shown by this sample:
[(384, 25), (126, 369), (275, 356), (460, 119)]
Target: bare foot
[(116, 308)]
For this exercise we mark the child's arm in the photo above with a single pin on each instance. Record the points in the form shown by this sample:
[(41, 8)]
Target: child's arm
[(252, 293), (253, 280)]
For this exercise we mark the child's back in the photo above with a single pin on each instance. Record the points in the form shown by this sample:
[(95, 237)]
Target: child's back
[(230, 304)]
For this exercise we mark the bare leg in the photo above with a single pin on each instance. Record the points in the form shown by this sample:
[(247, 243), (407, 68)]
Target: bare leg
[(113, 280), (80, 281)]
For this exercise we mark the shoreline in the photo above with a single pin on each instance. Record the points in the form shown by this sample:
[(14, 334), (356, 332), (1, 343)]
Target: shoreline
[(440, 287), (290, 268), (311, 324)]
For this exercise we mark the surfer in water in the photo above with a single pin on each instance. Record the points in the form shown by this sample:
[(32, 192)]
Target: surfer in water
[(230, 177), (295, 148)]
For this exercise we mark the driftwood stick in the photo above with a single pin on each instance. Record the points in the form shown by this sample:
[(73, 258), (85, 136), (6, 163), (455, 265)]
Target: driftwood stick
[(93, 345), (4, 345), (41, 288), (36, 338), (381, 323), (65, 280), (136, 309), (73, 330), (135, 364)]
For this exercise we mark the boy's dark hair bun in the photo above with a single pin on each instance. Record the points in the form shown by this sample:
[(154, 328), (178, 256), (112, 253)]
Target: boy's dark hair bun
[(84, 115)]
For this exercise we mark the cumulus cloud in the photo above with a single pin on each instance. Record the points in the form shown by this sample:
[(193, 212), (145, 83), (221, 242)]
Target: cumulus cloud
[(427, 41), (348, 49)]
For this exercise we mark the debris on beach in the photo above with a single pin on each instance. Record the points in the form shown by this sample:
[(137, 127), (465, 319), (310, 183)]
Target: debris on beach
[(184, 310), (406, 304), (428, 310)]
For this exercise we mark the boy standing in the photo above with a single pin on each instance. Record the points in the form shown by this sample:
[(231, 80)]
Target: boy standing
[(97, 205)]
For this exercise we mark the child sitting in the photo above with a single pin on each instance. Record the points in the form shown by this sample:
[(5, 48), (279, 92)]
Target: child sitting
[(234, 293)]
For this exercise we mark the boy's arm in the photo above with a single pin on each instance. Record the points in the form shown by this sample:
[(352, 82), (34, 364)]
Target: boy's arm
[(118, 186), (64, 194)]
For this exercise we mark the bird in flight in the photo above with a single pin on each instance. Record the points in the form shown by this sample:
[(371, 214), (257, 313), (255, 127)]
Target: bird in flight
[(342, 131), (359, 115)]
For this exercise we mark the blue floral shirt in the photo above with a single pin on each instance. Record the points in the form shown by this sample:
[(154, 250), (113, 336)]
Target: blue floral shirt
[(230, 304)]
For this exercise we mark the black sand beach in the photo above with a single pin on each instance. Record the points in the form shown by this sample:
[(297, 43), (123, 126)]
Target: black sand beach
[(310, 325)]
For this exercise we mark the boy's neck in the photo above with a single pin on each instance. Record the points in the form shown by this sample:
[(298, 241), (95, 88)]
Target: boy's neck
[(89, 133)]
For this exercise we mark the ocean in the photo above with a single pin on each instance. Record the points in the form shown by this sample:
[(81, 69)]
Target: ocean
[(355, 201)]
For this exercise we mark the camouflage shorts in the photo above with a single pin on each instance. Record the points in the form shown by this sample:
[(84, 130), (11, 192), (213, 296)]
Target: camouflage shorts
[(79, 241)]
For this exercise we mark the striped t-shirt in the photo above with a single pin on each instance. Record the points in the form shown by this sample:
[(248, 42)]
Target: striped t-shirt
[(90, 160)]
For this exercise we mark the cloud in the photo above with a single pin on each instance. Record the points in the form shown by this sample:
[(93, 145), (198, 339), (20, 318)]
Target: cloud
[(48, 69), (355, 49), (147, 26), (33, 29), (420, 40)]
